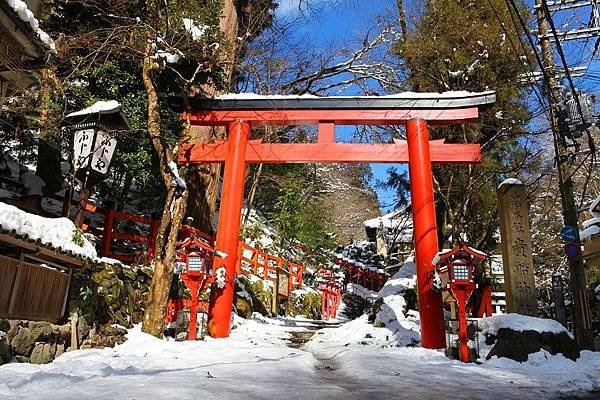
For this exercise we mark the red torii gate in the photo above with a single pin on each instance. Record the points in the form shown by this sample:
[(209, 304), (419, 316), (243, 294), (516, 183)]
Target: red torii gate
[(415, 110)]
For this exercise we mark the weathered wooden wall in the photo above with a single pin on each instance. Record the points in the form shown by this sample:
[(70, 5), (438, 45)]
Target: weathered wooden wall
[(32, 292)]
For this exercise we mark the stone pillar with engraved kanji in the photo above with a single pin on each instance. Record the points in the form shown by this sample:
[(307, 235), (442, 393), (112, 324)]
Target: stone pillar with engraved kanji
[(517, 260)]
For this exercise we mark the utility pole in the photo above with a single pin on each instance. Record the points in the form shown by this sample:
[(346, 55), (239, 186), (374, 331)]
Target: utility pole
[(581, 312)]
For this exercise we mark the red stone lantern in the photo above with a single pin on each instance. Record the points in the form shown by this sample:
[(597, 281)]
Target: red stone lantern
[(459, 263)]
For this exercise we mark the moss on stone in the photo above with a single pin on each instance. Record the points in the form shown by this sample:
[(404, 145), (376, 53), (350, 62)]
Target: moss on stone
[(261, 294), (305, 303)]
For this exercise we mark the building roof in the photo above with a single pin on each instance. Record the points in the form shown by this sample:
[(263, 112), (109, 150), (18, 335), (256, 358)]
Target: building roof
[(51, 237), (25, 47)]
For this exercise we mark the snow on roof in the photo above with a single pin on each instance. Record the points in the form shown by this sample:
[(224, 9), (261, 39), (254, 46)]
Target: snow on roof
[(99, 107), (27, 16), (510, 181), (403, 95), (254, 96), (589, 232), (595, 208), (520, 323), (56, 232), (391, 221)]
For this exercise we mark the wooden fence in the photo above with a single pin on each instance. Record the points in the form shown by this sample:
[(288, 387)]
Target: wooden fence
[(30, 291)]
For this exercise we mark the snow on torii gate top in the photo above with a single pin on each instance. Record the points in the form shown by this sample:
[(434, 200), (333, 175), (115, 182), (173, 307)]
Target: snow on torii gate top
[(448, 108)]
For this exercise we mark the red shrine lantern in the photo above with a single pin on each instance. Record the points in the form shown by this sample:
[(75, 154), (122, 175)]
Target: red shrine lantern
[(460, 263), (196, 254)]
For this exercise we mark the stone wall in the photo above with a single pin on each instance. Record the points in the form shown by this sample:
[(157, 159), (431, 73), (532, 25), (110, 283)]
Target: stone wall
[(103, 300)]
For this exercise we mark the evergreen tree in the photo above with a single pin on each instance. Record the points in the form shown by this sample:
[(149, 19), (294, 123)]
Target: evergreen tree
[(471, 45)]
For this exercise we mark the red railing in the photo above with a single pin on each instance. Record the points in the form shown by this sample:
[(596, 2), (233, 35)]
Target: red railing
[(265, 265), (332, 294), (108, 232), (368, 277), (250, 259)]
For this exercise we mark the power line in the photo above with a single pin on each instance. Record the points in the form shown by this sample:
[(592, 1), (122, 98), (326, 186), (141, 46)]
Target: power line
[(559, 48)]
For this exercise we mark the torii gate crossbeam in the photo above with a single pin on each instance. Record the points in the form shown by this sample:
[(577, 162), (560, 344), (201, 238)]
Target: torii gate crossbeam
[(410, 109)]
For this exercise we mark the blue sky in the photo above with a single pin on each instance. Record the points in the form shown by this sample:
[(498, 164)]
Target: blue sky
[(341, 22), (334, 22)]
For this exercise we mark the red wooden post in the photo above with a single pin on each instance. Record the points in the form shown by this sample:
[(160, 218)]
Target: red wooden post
[(193, 283), (485, 308), (255, 261), (109, 218), (425, 233), (461, 297), (228, 232)]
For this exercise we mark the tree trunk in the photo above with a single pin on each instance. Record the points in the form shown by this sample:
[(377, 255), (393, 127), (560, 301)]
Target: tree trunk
[(48, 163), (204, 178), (175, 204)]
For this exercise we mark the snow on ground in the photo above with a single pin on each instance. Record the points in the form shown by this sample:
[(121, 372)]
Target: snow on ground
[(364, 353), (255, 363), (519, 323)]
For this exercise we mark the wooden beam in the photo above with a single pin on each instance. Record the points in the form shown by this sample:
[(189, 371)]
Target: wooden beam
[(329, 153), (336, 116)]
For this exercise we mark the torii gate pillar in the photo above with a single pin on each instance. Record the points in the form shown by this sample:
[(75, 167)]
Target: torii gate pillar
[(424, 233), (227, 241)]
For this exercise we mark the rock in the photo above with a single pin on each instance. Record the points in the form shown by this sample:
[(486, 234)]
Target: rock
[(22, 343), (306, 304), (260, 294), (22, 359), (4, 349), (4, 325), (60, 349), (64, 332), (42, 353), (83, 329), (109, 330), (243, 307), (137, 317), (12, 332), (41, 331), (518, 345), (562, 343)]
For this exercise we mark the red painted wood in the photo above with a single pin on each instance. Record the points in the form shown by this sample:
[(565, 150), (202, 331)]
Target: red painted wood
[(339, 117), (132, 217), (329, 153), (425, 234), (219, 315), (326, 133), (109, 218), (130, 236)]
